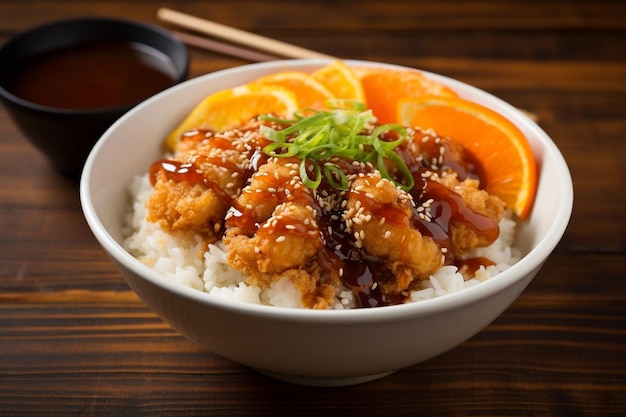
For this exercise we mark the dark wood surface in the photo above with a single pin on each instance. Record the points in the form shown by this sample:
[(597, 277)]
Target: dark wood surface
[(75, 341)]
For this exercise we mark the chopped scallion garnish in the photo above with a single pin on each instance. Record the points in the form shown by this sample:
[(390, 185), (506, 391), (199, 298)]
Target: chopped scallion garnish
[(347, 130)]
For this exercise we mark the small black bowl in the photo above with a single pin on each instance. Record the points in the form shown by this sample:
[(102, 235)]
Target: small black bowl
[(64, 134)]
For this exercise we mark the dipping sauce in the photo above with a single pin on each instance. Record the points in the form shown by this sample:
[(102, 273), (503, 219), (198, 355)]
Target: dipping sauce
[(94, 75)]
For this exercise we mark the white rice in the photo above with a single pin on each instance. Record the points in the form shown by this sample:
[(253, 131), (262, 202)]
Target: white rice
[(182, 258)]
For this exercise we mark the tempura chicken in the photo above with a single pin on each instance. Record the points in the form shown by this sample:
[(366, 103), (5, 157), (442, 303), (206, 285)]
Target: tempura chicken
[(272, 226), (194, 189), (379, 214)]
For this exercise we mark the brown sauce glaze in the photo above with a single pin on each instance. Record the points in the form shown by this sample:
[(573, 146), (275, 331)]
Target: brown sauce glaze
[(192, 172), (187, 172), (358, 271), (437, 207), (272, 190), (446, 209)]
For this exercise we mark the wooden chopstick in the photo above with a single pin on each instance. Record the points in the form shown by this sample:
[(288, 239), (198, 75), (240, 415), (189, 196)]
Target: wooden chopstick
[(236, 35), (224, 48)]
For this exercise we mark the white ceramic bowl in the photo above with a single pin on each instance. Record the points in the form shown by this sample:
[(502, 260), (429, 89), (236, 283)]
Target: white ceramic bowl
[(304, 346)]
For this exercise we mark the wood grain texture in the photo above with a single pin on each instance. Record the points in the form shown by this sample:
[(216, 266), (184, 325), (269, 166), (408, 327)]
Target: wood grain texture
[(76, 341)]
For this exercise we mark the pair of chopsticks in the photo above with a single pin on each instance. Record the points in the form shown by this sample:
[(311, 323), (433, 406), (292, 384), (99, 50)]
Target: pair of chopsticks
[(241, 37)]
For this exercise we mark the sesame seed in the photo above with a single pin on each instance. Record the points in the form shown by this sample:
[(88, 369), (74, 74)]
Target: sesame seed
[(280, 239), (387, 234)]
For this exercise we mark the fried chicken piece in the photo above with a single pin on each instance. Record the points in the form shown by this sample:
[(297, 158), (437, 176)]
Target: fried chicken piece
[(194, 190), (444, 161), (180, 205), (275, 247), (379, 215), (463, 236), (272, 231)]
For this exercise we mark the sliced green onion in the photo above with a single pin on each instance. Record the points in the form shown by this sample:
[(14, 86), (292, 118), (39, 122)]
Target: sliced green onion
[(331, 172), (289, 149), (314, 135), (304, 174), (404, 170)]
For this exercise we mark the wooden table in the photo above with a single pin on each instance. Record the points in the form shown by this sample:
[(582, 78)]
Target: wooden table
[(75, 341)]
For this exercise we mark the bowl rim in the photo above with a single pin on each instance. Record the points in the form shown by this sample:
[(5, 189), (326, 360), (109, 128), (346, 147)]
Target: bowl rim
[(72, 24), (531, 261)]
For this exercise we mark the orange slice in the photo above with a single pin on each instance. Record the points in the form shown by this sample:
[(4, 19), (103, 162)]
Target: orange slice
[(341, 81), (234, 107), (502, 149), (384, 87), (310, 93)]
